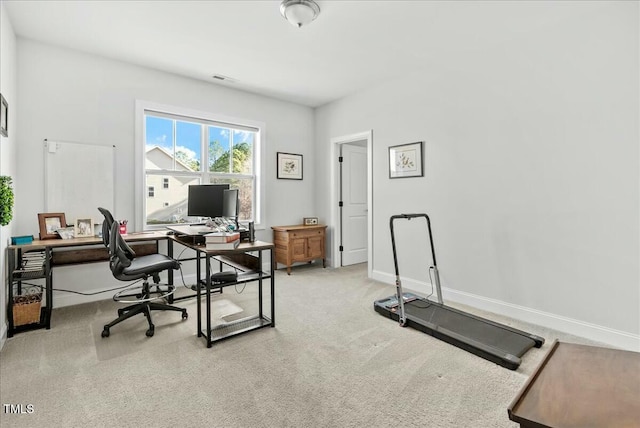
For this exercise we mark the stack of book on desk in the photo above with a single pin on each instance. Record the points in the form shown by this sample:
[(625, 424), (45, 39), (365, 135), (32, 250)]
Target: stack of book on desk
[(221, 240)]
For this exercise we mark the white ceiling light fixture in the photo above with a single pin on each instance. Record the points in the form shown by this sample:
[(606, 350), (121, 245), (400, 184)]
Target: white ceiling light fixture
[(299, 12)]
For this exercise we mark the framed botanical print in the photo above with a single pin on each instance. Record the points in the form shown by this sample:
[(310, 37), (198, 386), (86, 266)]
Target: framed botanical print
[(406, 160), (289, 166)]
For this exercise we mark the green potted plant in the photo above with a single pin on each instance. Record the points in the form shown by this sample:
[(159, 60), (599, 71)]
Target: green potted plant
[(6, 200)]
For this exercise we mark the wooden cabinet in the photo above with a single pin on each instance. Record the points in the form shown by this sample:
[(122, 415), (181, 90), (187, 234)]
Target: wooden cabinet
[(299, 244)]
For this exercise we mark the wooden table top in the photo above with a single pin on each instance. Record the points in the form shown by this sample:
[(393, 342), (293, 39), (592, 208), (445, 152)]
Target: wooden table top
[(243, 247), (581, 386), (129, 237)]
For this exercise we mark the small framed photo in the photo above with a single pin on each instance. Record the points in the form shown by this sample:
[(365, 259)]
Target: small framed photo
[(289, 166), (83, 228), (4, 116), (406, 160), (49, 224), (310, 221), (66, 232)]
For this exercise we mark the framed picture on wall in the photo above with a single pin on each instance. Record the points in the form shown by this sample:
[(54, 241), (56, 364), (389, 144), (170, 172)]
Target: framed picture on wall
[(4, 116), (406, 160), (289, 166), (49, 224)]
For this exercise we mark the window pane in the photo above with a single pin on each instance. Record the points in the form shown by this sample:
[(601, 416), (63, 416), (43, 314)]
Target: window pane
[(191, 151), (159, 143), (175, 197), (245, 194), (188, 147), (219, 143), (243, 151)]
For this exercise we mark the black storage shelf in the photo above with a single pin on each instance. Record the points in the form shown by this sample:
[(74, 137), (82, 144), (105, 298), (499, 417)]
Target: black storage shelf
[(29, 274), (243, 278), (18, 275), (227, 330)]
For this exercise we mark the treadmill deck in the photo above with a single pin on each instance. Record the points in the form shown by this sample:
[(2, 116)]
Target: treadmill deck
[(495, 342)]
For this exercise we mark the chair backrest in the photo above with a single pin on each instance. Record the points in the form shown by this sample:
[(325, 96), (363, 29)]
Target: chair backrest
[(106, 225), (121, 252)]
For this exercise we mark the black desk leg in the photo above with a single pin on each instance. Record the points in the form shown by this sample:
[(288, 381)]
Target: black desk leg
[(170, 273), (49, 285), (260, 284), (273, 289), (198, 294), (208, 264)]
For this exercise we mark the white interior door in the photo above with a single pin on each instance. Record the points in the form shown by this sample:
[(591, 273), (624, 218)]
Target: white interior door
[(354, 199)]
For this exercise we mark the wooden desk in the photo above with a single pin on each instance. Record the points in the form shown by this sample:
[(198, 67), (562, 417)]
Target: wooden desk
[(581, 386), (251, 271), (59, 252)]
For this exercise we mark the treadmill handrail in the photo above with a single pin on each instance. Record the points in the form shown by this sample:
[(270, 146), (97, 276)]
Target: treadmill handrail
[(393, 240), (399, 293)]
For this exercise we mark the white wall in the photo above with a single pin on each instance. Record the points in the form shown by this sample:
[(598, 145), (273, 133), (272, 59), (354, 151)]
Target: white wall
[(71, 96), (9, 89), (531, 174)]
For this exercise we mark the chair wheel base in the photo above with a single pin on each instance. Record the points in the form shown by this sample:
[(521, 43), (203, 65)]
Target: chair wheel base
[(150, 332), (185, 315), (105, 332)]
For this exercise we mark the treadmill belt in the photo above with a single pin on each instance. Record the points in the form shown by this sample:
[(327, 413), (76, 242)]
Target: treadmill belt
[(469, 326), (492, 341)]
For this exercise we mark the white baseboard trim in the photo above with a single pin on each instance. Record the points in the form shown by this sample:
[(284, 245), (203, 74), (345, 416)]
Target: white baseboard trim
[(598, 333), (62, 299)]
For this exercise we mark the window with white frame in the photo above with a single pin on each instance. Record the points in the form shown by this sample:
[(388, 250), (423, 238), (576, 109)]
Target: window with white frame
[(181, 150)]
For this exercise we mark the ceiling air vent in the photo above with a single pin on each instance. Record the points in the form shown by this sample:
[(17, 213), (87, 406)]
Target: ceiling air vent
[(221, 78)]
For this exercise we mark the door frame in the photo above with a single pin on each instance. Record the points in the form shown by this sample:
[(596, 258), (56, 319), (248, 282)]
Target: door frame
[(336, 143)]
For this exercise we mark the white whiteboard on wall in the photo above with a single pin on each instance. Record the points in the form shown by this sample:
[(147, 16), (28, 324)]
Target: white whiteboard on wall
[(79, 178)]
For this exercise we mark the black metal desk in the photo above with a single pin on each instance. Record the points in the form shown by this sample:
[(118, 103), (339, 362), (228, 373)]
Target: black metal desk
[(251, 271)]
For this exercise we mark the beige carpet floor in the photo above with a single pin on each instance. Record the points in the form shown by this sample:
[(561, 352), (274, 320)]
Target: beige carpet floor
[(331, 361)]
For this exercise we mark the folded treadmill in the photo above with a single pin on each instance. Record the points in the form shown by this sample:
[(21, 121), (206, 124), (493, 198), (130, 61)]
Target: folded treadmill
[(490, 340)]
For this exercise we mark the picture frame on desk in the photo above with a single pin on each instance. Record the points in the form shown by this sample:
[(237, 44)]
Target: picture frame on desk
[(83, 228), (66, 232), (49, 223), (310, 221)]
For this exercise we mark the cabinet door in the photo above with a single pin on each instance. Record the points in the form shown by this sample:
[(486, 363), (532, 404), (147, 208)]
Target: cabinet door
[(298, 249), (315, 247)]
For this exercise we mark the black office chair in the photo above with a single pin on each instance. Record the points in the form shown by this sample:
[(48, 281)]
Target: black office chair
[(106, 225), (125, 266)]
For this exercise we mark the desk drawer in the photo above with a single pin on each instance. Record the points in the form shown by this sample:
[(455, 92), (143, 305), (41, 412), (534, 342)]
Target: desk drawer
[(305, 233)]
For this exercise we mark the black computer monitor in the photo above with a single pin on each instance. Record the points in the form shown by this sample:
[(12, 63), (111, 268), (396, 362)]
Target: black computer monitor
[(230, 205), (206, 200)]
